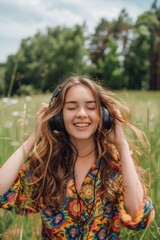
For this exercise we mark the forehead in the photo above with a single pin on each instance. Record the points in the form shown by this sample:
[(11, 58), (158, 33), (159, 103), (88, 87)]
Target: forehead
[(79, 93)]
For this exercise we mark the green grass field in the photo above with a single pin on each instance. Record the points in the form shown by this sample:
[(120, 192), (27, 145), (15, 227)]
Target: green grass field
[(16, 123)]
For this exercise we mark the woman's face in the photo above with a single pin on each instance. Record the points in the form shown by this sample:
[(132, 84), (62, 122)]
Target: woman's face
[(80, 113)]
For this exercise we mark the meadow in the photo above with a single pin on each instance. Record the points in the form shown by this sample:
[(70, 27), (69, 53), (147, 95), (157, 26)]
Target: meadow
[(16, 123)]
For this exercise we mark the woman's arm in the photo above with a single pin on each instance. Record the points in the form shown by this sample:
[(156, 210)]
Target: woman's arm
[(133, 191), (10, 169)]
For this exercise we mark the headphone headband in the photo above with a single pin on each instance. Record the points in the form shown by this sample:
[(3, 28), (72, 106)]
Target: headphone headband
[(55, 94)]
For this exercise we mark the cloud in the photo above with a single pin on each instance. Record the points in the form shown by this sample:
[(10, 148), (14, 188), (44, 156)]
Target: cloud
[(20, 18)]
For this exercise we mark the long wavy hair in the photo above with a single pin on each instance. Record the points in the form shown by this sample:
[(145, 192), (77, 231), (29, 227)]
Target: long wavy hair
[(52, 160)]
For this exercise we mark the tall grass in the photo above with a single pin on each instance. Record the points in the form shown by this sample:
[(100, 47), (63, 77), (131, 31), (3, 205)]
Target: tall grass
[(16, 123)]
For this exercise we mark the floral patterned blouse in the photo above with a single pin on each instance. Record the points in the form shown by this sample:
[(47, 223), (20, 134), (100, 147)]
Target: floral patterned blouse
[(89, 214)]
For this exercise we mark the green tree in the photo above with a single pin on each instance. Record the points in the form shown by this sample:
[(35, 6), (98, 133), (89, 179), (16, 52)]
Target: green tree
[(46, 58), (109, 67), (136, 61), (107, 47), (142, 62)]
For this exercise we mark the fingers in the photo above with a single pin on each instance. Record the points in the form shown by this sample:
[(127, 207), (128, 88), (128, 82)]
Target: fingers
[(118, 113), (43, 107), (39, 118), (41, 112)]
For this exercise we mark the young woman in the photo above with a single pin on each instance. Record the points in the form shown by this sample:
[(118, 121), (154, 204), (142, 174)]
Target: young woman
[(79, 172)]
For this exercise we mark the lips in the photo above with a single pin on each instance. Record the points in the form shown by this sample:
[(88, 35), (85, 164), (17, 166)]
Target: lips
[(81, 124)]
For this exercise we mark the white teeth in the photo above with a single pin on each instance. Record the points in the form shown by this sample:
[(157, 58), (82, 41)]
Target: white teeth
[(82, 124)]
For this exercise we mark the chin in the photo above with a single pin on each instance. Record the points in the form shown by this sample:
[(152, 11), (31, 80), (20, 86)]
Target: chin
[(81, 137)]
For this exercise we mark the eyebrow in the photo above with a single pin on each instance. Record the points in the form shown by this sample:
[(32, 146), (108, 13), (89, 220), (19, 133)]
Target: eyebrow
[(75, 102)]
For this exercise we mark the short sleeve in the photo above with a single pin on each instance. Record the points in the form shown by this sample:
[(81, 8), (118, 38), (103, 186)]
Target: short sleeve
[(143, 217), (18, 198)]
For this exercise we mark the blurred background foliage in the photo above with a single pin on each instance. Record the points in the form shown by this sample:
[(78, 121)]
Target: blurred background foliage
[(120, 52)]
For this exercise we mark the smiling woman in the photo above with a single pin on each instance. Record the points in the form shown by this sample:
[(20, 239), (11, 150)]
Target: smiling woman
[(79, 174), (80, 113)]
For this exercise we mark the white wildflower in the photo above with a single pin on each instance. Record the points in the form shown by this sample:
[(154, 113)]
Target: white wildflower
[(15, 113), (9, 101), (13, 101), (6, 100)]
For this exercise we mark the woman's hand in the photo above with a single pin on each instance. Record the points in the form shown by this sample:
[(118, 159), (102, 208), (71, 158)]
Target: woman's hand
[(117, 136), (38, 119)]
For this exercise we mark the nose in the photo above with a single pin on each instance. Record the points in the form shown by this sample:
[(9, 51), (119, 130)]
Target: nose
[(81, 113)]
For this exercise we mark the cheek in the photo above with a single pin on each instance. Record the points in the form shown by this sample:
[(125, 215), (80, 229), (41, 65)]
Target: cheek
[(65, 117), (95, 121), (96, 118), (97, 125)]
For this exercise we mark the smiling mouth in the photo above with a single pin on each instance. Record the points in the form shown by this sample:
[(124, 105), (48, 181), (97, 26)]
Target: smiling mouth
[(81, 124)]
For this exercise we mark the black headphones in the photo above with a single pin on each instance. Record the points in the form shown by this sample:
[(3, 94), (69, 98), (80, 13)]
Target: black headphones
[(57, 123)]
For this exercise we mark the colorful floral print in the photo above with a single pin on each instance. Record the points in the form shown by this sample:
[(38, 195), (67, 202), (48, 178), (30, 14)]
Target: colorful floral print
[(89, 214)]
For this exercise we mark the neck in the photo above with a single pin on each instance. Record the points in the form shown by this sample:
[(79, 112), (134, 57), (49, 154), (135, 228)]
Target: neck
[(87, 154), (85, 148)]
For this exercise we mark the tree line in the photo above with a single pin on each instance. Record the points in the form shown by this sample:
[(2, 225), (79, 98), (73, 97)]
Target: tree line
[(121, 53)]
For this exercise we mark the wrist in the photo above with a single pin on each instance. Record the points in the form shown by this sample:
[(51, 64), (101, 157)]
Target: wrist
[(33, 136), (122, 146), (31, 140)]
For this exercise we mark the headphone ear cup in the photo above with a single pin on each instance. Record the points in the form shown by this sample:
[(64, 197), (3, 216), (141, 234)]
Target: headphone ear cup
[(107, 119), (57, 123)]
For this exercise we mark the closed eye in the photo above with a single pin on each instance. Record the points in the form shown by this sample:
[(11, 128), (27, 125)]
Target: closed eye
[(91, 108), (71, 108)]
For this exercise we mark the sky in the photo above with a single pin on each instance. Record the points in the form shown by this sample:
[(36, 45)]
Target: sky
[(20, 19)]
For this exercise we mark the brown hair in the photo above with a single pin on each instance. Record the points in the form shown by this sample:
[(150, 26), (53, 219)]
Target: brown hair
[(52, 160)]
